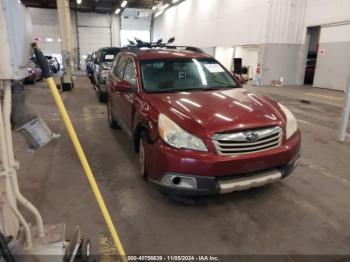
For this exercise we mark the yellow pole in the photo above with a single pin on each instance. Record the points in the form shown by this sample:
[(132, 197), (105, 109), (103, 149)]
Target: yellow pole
[(86, 168)]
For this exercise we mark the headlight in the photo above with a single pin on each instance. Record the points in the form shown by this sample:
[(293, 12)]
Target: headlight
[(103, 74), (292, 125), (175, 136)]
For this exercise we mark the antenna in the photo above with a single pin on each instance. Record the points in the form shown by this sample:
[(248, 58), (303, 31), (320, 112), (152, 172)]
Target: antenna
[(138, 41), (171, 40), (159, 41), (131, 42)]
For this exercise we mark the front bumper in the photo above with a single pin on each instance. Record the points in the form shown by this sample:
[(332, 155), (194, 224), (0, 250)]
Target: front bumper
[(102, 87), (210, 173), (223, 185)]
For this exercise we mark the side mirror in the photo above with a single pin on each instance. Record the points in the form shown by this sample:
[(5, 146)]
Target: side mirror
[(123, 86)]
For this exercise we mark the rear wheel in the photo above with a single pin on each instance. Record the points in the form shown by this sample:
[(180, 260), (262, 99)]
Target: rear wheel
[(111, 121)]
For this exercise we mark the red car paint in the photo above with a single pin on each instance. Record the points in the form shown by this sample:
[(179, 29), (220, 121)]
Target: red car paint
[(201, 113)]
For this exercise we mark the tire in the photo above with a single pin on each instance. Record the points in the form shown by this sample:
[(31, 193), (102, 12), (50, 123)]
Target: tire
[(111, 121), (142, 157), (86, 251), (102, 97)]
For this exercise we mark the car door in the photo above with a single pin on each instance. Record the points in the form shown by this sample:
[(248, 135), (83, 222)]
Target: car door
[(116, 75), (125, 100)]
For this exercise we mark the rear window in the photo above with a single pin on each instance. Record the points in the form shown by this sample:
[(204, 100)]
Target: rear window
[(176, 75), (107, 55)]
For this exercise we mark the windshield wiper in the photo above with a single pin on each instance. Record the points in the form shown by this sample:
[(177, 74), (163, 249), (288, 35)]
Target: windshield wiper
[(220, 83), (218, 87)]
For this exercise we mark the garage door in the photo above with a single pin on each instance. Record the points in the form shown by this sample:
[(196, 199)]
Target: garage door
[(94, 32), (333, 63), (91, 39)]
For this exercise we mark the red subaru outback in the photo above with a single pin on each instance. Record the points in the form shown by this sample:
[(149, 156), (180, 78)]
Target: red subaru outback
[(197, 131)]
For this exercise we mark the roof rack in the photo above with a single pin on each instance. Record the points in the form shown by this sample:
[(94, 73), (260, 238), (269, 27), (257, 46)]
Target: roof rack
[(159, 44)]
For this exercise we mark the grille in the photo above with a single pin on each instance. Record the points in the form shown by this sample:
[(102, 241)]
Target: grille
[(247, 142)]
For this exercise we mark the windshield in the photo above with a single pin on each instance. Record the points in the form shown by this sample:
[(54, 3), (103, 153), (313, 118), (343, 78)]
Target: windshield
[(178, 75)]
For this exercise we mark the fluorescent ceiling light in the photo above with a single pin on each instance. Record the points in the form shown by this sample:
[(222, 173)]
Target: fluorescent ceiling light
[(175, 1), (164, 6), (49, 39), (117, 11), (78, 2), (124, 3), (158, 13)]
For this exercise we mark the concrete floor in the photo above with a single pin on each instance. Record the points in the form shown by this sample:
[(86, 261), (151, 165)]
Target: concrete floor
[(308, 213)]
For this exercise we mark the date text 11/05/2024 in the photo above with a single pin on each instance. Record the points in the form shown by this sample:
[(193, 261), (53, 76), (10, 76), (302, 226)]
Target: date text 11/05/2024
[(203, 258)]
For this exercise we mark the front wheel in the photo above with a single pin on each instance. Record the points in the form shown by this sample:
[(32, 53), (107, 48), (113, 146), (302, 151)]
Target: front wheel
[(142, 158)]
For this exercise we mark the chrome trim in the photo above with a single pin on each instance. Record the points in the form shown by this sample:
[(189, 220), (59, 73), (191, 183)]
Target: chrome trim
[(260, 179), (231, 144), (249, 148), (241, 136)]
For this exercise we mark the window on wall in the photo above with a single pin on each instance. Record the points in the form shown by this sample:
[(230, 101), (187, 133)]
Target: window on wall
[(144, 35)]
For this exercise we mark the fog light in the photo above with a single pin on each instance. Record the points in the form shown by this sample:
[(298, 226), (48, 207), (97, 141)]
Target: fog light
[(179, 181)]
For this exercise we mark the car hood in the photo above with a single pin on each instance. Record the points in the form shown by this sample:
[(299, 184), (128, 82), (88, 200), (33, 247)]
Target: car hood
[(205, 113), (107, 65)]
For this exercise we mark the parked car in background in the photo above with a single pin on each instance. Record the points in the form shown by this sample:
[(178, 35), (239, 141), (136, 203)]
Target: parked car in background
[(35, 73), (54, 64), (103, 63), (89, 62), (197, 131)]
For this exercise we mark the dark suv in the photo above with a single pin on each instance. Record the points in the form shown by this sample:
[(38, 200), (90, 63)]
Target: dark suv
[(197, 131), (102, 64)]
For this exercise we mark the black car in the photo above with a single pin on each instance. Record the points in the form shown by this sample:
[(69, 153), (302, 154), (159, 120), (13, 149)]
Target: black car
[(89, 62), (102, 65), (54, 64)]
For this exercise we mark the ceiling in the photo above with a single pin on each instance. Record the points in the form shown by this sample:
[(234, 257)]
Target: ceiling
[(99, 6)]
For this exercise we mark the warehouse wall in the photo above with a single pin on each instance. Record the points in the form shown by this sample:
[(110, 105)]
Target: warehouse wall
[(320, 12), (94, 31), (271, 24), (215, 23), (333, 63), (135, 23)]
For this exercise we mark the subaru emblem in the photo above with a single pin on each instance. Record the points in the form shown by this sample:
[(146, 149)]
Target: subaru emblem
[(251, 137)]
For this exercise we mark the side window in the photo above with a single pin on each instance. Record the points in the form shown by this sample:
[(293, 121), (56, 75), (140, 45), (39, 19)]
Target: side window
[(120, 66), (115, 63), (129, 74)]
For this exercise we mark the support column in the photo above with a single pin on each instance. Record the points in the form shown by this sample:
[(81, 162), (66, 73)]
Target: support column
[(345, 116), (65, 27)]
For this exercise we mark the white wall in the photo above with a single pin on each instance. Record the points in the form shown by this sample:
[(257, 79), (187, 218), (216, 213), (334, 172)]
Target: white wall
[(133, 24), (96, 30), (249, 55), (235, 23), (333, 63), (225, 56), (332, 69), (321, 12), (45, 25), (215, 23), (228, 22)]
